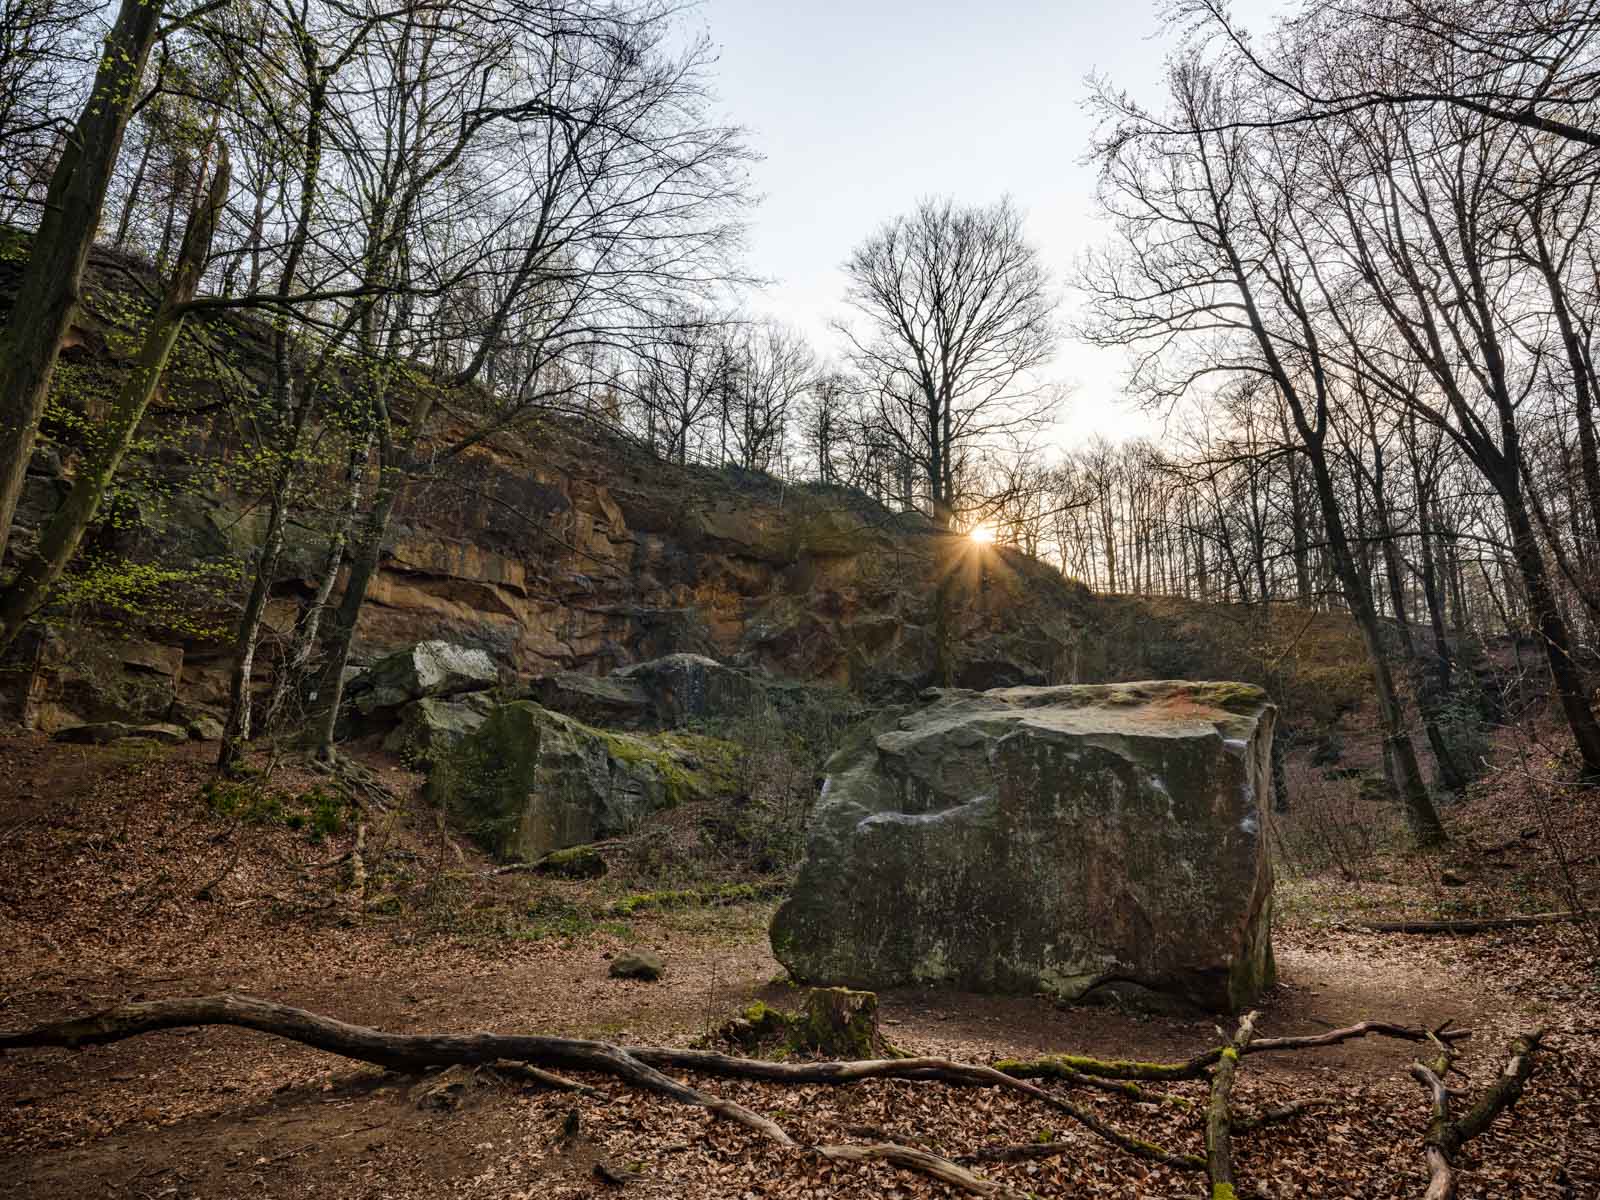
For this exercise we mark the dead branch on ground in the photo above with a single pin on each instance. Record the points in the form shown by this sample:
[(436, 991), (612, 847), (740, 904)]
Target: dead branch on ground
[(1219, 1121), (538, 1057), (1472, 924), (1065, 1066), (1446, 1135)]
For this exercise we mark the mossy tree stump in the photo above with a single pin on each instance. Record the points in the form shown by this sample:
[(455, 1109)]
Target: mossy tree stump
[(837, 1023), (842, 1023)]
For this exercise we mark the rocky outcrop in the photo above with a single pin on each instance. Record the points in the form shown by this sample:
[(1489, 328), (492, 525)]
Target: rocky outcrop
[(427, 669), (596, 700), (684, 688), (1053, 840), (529, 781)]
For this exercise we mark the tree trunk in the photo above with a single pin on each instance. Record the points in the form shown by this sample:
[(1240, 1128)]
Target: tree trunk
[(47, 296), (1564, 672), (363, 566), (291, 671), (114, 432), (1399, 754)]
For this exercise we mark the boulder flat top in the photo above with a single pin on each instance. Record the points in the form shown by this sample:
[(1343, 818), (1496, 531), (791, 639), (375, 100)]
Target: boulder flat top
[(1156, 708)]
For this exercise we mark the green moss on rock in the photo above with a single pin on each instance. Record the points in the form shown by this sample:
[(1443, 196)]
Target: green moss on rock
[(529, 781)]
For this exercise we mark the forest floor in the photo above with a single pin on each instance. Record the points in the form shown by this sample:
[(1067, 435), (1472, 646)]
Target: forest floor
[(120, 879)]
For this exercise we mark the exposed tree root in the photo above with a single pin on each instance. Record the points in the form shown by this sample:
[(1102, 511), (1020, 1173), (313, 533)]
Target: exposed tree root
[(1065, 1066), (1219, 1120), (538, 1058), (413, 1051), (1446, 1136)]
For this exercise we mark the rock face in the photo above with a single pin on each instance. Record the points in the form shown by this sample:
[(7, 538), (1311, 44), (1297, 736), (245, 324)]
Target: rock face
[(1051, 840), (529, 781)]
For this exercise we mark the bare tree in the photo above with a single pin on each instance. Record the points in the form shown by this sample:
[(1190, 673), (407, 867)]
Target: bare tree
[(957, 317), (1211, 262), (770, 367)]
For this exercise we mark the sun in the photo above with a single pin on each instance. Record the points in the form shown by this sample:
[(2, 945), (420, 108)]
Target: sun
[(982, 534)]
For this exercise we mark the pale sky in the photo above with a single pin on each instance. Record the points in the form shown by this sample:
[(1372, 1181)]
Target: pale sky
[(861, 108)]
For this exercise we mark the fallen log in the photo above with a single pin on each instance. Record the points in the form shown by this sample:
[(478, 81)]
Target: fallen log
[(1446, 1136), (1472, 924), (1219, 1121)]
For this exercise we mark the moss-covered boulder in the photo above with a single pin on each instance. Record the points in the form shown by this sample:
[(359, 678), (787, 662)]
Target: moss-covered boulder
[(528, 781), (1054, 840), (430, 727)]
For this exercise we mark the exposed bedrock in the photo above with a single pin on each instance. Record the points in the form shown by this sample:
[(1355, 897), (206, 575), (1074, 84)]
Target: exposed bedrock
[(1064, 840)]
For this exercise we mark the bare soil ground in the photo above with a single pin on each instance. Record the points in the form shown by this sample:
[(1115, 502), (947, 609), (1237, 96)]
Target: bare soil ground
[(119, 881)]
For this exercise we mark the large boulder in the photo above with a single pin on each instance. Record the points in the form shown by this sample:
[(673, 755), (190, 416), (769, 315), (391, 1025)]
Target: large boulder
[(598, 700), (529, 781), (1057, 840), (682, 688), (426, 669), (431, 726)]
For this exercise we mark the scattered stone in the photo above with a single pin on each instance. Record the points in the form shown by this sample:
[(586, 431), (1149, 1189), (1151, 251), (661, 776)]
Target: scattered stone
[(1046, 840), (205, 729), (575, 862), (170, 735), (645, 965), (99, 733)]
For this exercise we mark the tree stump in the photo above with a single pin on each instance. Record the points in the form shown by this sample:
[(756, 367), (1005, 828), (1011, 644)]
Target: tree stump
[(837, 1023), (842, 1023)]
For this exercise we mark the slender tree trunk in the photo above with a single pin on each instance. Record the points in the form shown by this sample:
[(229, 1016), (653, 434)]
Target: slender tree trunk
[(114, 431), (292, 671), (1582, 390), (1570, 689), (180, 185), (237, 729), (363, 566), (47, 296), (1399, 754), (136, 187)]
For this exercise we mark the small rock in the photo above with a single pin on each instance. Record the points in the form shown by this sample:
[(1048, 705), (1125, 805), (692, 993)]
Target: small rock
[(205, 729), (95, 733), (575, 862), (638, 964)]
